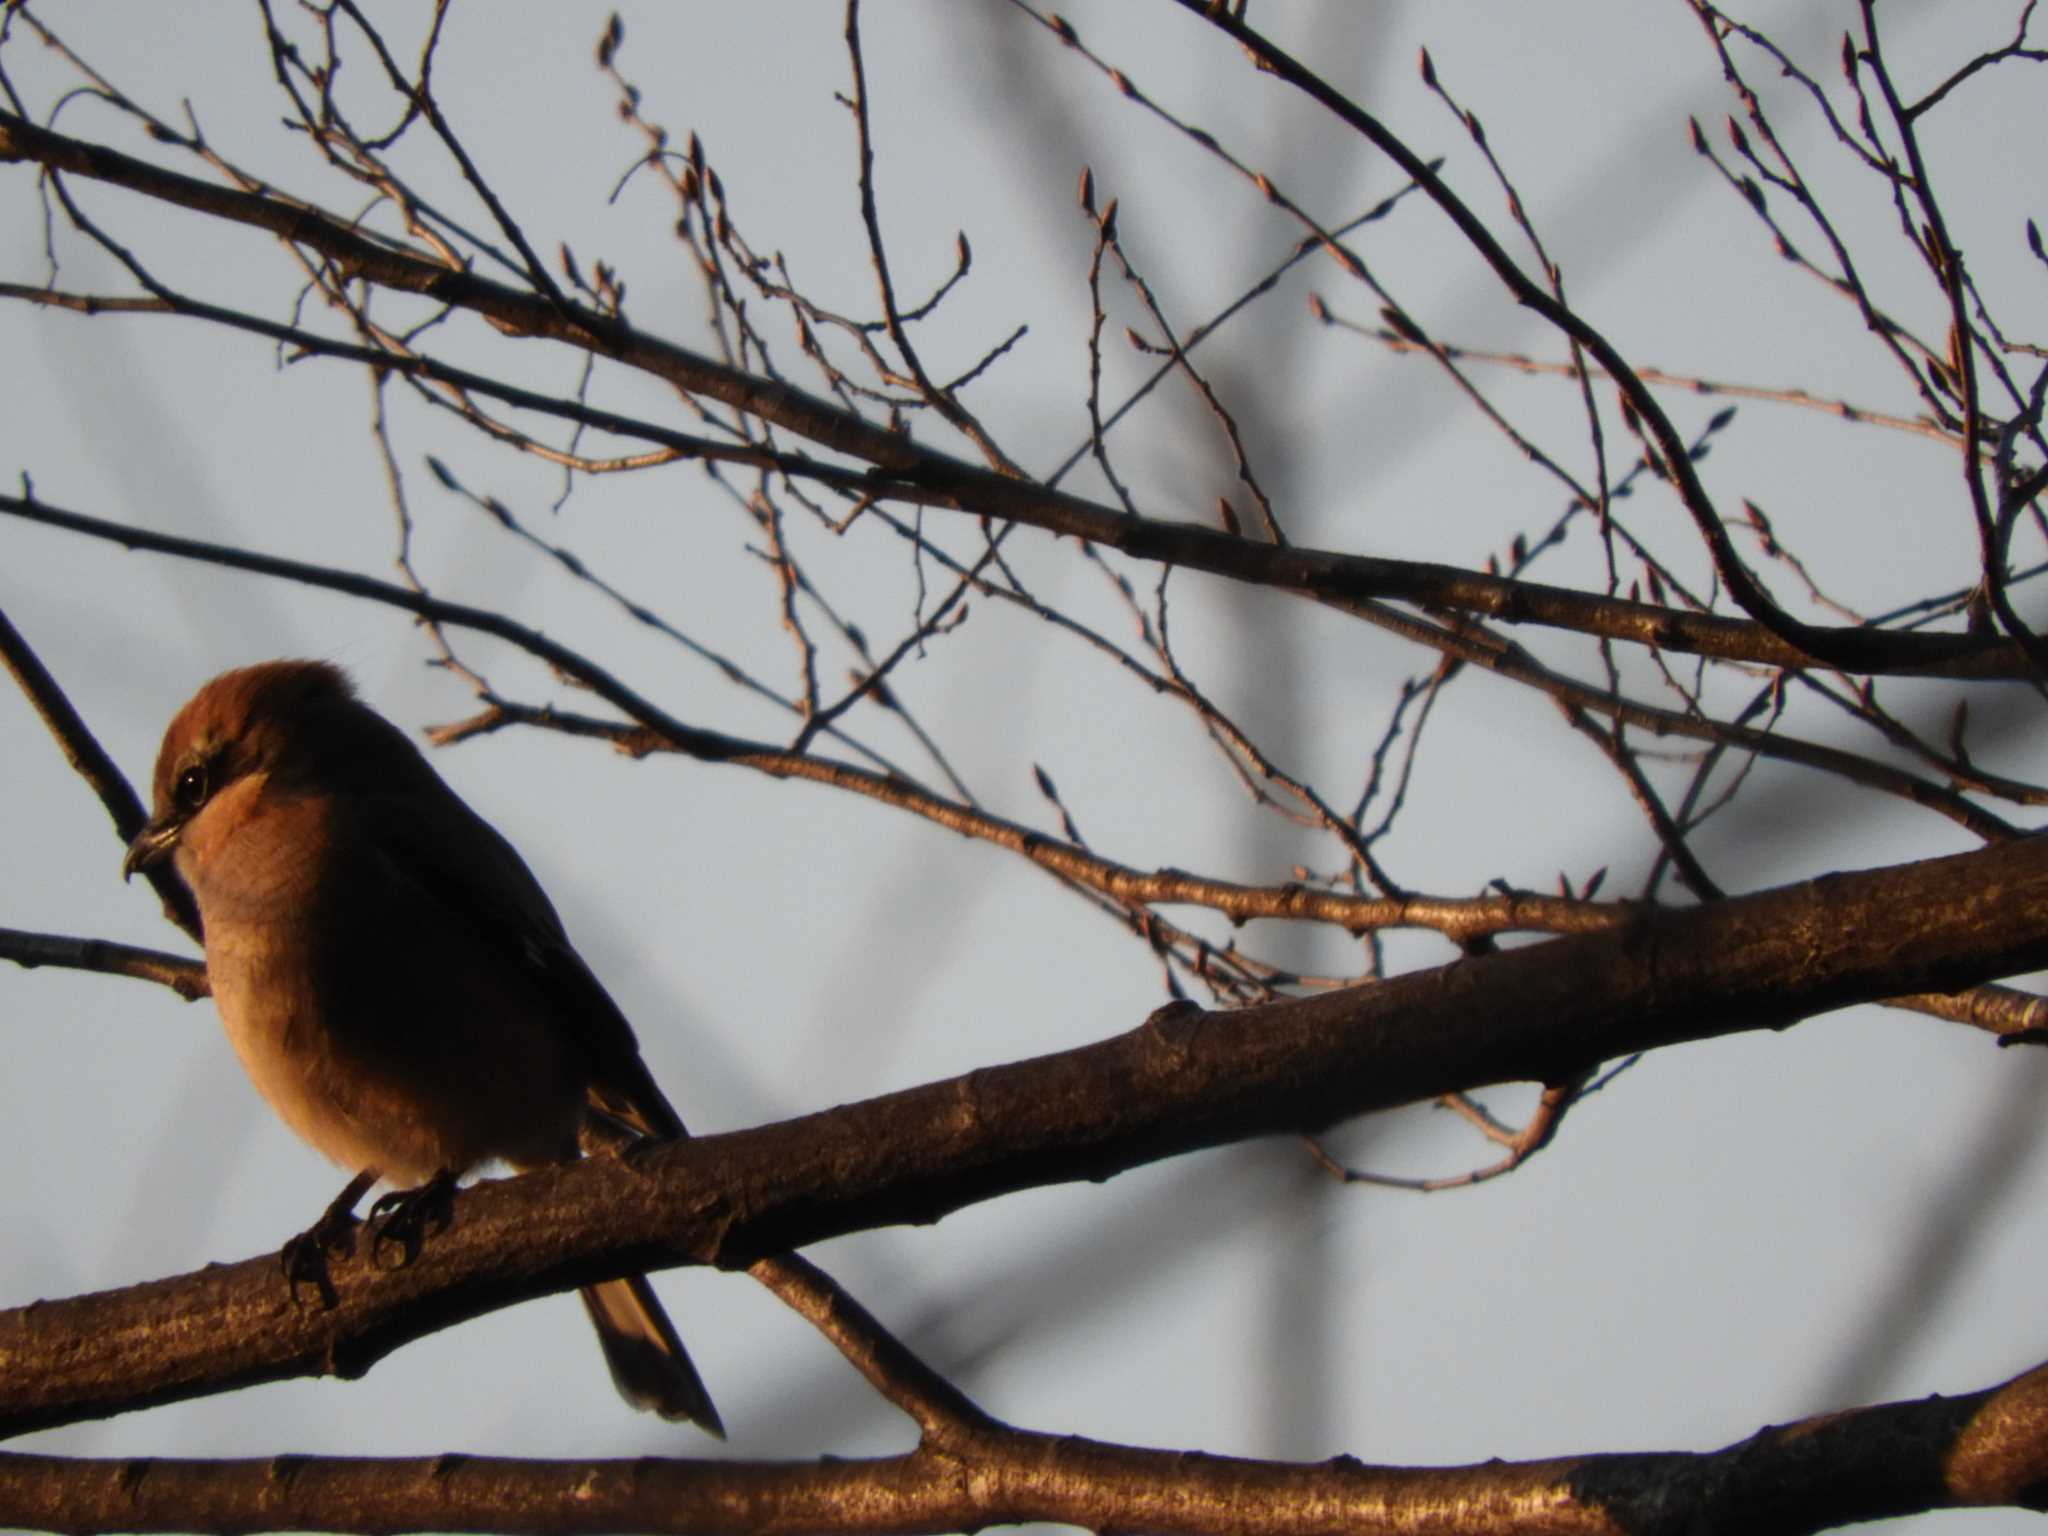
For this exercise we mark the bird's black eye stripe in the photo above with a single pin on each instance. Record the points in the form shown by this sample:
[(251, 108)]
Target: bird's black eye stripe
[(189, 790)]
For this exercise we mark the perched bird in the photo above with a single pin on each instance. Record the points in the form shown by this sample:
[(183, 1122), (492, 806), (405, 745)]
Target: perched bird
[(391, 974)]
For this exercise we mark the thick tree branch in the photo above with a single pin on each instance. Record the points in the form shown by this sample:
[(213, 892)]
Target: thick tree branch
[(1983, 1449), (1183, 1080)]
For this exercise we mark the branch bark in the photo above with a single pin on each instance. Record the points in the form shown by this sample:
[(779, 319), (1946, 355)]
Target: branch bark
[(1986, 1448), (908, 471), (1183, 1080)]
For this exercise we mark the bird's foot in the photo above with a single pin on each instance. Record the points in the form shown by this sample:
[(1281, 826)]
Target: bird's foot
[(403, 1218), (305, 1258)]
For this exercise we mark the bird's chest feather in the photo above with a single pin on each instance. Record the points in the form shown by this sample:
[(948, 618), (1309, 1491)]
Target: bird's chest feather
[(383, 1025), (287, 964), (276, 1020)]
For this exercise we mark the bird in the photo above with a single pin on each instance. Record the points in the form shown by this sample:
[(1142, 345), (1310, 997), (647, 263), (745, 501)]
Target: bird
[(394, 979)]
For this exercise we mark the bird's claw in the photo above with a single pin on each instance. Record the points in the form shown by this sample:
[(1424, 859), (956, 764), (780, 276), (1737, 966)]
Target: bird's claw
[(305, 1257), (404, 1217)]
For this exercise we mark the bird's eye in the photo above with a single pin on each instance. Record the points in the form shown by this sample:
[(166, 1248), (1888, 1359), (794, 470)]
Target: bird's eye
[(189, 790)]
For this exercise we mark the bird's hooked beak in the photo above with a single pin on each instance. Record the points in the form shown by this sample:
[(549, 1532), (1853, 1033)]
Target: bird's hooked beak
[(153, 844)]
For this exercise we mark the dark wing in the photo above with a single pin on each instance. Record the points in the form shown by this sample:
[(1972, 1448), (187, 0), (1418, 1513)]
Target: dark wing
[(462, 861)]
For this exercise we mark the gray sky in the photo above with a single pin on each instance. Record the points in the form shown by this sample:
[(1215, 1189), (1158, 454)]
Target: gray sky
[(1734, 1234)]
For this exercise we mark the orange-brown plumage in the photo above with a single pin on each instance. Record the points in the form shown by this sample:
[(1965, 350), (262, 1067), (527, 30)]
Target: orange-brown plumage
[(388, 970)]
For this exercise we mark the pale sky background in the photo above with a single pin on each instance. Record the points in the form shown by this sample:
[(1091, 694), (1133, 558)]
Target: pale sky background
[(1734, 1234)]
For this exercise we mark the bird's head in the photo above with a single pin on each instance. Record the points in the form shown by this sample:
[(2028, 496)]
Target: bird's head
[(291, 722)]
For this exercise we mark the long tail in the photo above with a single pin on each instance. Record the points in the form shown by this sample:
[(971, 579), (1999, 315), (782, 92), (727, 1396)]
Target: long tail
[(648, 1362)]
